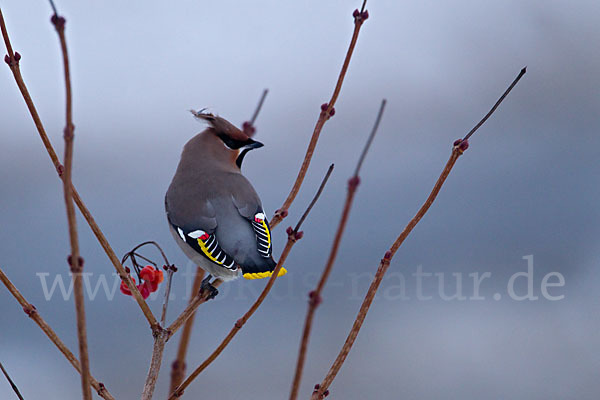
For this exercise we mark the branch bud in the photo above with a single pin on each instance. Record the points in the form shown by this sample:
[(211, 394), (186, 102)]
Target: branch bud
[(75, 268), (281, 213), (353, 182), (58, 22), (30, 310), (461, 145), (14, 61), (101, 388), (248, 129), (314, 299)]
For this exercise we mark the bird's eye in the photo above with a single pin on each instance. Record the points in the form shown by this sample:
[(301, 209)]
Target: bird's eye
[(231, 143)]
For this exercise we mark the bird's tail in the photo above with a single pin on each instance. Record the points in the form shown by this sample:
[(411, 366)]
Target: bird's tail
[(263, 271)]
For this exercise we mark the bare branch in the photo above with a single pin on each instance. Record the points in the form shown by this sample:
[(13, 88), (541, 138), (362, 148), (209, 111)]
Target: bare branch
[(33, 313), (327, 111), (458, 148), (12, 59), (160, 338), (315, 295), (293, 236), (75, 261)]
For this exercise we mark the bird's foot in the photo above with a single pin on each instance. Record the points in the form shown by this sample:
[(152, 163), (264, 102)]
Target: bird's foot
[(207, 287)]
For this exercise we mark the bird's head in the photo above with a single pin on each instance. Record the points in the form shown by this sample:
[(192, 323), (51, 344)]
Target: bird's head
[(235, 142)]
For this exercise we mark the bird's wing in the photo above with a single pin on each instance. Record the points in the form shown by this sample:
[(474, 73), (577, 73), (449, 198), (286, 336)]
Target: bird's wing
[(195, 224), (248, 204)]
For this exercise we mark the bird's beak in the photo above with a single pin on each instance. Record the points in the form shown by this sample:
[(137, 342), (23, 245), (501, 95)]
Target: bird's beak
[(252, 144)]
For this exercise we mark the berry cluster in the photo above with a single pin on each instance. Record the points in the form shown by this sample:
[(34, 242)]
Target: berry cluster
[(150, 277)]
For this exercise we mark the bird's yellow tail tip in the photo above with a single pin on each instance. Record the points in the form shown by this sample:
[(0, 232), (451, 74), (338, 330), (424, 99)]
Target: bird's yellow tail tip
[(267, 274)]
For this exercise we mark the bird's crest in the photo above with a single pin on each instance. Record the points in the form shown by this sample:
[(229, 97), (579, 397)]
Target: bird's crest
[(220, 125)]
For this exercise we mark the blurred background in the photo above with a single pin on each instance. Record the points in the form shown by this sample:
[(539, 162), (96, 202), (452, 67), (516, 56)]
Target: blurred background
[(525, 194)]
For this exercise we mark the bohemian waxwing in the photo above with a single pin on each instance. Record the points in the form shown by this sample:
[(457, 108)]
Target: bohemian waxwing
[(214, 213)]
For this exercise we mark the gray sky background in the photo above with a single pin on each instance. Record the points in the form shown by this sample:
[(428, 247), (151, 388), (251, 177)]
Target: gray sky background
[(527, 186)]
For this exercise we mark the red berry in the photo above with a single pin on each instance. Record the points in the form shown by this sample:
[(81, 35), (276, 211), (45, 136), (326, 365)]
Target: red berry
[(144, 290), (147, 273), (125, 289)]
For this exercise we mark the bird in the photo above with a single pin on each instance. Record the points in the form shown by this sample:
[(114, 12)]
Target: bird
[(214, 213)]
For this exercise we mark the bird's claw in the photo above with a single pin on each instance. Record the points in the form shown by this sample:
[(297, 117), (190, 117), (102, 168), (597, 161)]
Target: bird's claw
[(207, 287)]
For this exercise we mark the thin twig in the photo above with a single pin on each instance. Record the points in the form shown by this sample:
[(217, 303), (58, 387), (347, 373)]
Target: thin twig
[(459, 147), (133, 255), (163, 315), (293, 236), (248, 126), (259, 106), (33, 313), (53, 7), (314, 298), (327, 111), (506, 92), (370, 138), (75, 261), (10, 381), (178, 367), (153, 243), (12, 59), (314, 200)]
